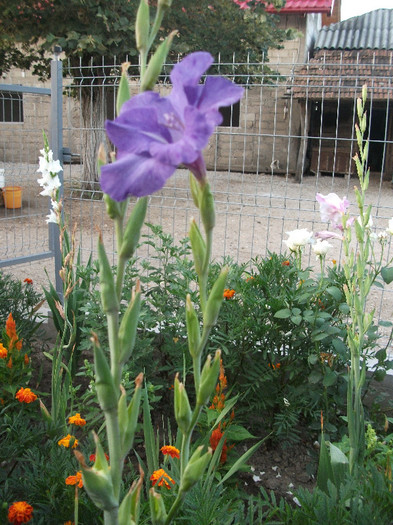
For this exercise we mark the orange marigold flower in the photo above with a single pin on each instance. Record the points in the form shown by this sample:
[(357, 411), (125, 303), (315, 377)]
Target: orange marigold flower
[(334, 261), (3, 351), (250, 278), (75, 480), (9, 364), (69, 522), (10, 327), (28, 281), (215, 438), (26, 359), (65, 441), (25, 395), (92, 457), (160, 477), (285, 263), (228, 294), (168, 450), (20, 512), (77, 420), (18, 344)]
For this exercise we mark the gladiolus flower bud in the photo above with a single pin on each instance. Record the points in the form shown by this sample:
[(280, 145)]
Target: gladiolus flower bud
[(109, 299), (131, 502), (132, 231), (193, 331), (105, 387), (182, 407), (209, 376), (157, 508), (142, 26), (128, 326), (123, 93), (198, 246), (98, 484), (195, 468), (155, 64), (215, 299), (207, 208)]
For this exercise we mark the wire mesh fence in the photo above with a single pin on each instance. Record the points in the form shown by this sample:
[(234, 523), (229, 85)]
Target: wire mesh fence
[(291, 136)]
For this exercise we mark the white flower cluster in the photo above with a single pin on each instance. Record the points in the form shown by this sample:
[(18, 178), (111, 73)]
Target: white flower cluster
[(50, 182), (297, 239)]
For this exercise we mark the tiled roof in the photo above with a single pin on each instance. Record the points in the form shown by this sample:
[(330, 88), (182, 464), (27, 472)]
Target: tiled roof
[(333, 74), (303, 6), (373, 30)]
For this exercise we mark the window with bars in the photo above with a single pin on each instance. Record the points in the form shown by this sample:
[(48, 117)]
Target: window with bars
[(11, 106)]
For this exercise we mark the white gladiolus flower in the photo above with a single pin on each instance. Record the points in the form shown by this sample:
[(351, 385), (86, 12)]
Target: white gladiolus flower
[(51, 186), (369, 223), (382, 236), (320, 248), (52, 217), (389, 229), (297, 239)]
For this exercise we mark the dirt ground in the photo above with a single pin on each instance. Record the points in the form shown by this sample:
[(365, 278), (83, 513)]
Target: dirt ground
[(253, 214)]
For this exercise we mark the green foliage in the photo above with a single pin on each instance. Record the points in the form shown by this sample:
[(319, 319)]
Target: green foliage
[(90, 29), (23, 301)]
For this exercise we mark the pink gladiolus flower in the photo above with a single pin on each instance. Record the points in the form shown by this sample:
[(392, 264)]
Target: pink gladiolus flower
[(332, 208), (325, 234)]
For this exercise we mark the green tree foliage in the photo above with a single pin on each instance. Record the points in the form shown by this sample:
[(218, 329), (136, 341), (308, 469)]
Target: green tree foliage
[(90, 29)]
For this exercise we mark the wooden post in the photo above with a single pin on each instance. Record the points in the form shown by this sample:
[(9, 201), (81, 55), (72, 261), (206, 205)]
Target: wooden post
[(304, 130)]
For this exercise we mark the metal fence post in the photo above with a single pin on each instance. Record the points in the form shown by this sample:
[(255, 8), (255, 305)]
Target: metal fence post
[(56, 144)]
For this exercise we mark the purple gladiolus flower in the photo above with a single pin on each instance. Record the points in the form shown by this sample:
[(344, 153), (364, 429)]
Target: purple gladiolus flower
[(154, 135), (332, 208)]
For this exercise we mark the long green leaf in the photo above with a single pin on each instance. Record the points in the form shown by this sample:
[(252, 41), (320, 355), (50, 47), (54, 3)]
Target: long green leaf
[(242, 460)]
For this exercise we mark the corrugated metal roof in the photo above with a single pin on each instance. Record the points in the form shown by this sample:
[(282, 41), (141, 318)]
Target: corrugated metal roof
[(303, 6), (373, 30)]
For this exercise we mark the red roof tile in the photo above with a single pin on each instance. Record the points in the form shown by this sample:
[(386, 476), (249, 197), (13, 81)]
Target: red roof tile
[(303, 6), (341, 74)]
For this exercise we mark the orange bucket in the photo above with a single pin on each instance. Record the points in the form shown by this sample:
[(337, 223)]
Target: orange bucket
[(12, 196)]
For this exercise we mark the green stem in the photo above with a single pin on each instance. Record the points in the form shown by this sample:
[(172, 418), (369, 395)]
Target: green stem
[(175, 507), (111, 517), (116, 459), (113, 332), (156, 27), (205, 270)]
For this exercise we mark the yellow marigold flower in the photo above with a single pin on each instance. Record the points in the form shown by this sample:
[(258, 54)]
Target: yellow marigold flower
[(77, 420), (75, 480), (20, 512), (65, 441), (168, 450), (160, 476), (25, 395), (228, 294), (3, 351)]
